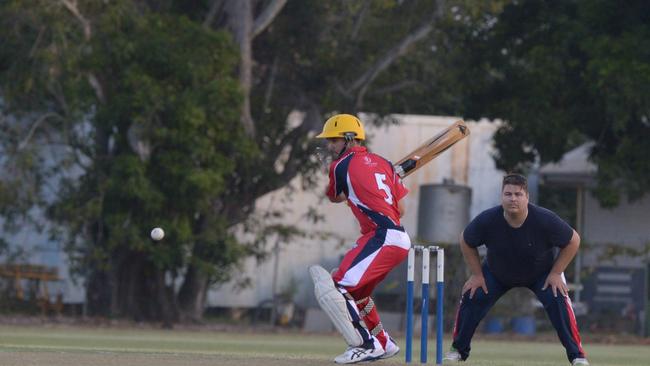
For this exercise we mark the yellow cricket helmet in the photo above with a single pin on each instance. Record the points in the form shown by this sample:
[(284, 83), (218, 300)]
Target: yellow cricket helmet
[(343, 125)]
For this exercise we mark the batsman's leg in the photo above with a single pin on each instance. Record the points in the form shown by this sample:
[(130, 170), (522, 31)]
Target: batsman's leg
[(387, 258), (336, 306), (368, 312)]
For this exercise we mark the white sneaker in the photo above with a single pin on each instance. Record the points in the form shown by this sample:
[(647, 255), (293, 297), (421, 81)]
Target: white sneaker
[(359, 354), (391, 349), (453, 356), (580, 362)]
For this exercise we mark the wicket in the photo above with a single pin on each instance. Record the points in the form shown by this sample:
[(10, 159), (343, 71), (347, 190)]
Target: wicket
[(410, 276)]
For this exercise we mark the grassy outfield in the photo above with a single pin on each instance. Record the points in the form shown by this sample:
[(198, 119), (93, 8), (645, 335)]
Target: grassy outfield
[(66, 345)]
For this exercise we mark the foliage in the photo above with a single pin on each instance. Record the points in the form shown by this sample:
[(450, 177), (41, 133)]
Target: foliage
[(132, 112), (152, 147), (561, 73), (123, 115)]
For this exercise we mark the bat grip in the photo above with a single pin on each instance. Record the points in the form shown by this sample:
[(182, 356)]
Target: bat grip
[(399, 171), (405, 167)]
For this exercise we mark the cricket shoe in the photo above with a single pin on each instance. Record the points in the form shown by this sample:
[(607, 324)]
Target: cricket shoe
[(453, 355), (359, 354), (579, 362), (391, 349)]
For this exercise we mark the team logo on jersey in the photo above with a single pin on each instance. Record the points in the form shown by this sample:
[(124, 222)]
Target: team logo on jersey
[(369, 162)]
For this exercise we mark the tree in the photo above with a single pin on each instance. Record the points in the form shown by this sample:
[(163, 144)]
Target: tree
[(316, 58), (560, 74), (165, 127), (143, 104)]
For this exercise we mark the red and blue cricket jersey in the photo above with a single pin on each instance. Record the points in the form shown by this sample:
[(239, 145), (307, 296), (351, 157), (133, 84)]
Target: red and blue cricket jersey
[(371, 186), (373, 190)]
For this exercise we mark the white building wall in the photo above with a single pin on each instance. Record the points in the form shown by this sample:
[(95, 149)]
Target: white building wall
[(627, 225), (468, 163), (620, 225)]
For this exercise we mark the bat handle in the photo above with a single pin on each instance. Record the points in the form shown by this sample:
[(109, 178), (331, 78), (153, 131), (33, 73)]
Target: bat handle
[(404, 168), (399, 170)]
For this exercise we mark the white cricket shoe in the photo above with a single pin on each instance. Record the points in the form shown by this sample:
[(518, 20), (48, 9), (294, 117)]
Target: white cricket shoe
[(391, 349), (453, 356), (579, 362), (359, 354)]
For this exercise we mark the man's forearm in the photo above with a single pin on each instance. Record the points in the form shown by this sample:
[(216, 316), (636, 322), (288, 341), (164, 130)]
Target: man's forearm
[(472, 258), (566, 254)]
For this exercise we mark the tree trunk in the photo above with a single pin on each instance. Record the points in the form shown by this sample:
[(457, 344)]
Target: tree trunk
[(130, 287), (192, 295), (240, 22), (139, 289), (168, 311), (99, 289), (98, 294)]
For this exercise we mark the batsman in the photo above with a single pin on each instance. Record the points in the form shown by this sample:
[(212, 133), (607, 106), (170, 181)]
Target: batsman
[(373, 191)]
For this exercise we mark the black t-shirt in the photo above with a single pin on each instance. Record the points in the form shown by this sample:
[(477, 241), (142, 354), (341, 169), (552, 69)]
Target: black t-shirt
[(518, 256)]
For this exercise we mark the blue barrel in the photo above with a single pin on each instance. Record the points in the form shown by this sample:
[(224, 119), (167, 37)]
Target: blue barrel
[(493, 325), (524, 325)]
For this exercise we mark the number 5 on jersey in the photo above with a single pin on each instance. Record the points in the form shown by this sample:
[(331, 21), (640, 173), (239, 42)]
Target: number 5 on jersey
[(381, 178)]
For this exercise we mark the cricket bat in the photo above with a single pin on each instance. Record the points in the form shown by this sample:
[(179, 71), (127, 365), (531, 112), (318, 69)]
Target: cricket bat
[(431, 148)]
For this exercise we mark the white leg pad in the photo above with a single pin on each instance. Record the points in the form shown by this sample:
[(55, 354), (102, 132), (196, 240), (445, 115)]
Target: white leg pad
[(334, 305)]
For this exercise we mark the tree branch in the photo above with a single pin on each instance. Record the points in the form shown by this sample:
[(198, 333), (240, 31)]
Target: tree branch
[(311, 122), (37, 42), (215, 7), (240, 14), (363, 82), (341, 89), (71, 5), (269, 89), (34, 127), (266, 16), (395, 87), (359, 20), (97, 87), (54, 88)]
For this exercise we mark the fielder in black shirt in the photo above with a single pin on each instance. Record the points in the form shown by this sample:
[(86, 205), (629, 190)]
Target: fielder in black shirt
[(520, 239)]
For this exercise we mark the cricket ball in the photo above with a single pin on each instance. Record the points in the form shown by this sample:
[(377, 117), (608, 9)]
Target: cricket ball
[(157, 234)]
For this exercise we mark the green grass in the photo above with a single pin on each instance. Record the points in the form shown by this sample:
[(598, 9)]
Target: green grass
[(128, 346)]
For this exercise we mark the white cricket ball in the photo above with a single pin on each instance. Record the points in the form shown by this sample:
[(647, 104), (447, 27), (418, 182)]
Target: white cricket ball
[(157, 234)]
